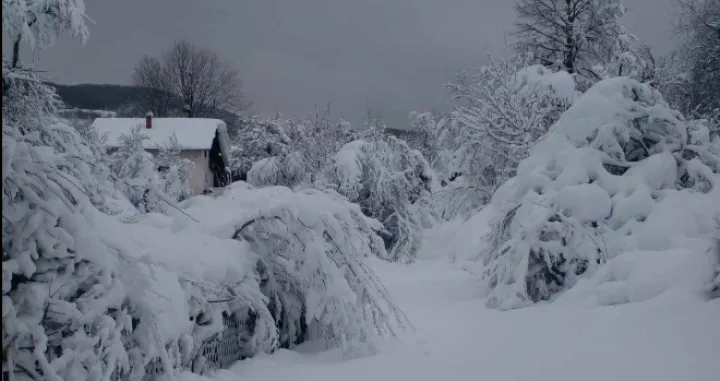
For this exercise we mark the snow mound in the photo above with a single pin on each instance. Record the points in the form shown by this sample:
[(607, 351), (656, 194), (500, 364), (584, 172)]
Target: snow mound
[(639, 276), (619, 172)]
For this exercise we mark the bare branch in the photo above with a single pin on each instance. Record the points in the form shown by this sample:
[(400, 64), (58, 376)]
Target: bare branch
[(190, 79)]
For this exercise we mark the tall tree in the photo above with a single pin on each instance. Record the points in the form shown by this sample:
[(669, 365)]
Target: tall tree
[(193, 78), (572, 35), (157, 94), (700, 55)]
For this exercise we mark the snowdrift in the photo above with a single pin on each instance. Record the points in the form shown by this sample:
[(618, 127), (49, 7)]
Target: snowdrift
[(619, 172)]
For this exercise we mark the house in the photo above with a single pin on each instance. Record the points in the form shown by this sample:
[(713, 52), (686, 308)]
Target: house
[(205, 142)]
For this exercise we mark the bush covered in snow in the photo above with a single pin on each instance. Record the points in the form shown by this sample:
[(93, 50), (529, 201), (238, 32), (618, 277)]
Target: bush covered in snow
[(309, 249), (257, 139), (307, 146), (619, 171), (135, 173), (385, 177), (174, 171), (65, 311)]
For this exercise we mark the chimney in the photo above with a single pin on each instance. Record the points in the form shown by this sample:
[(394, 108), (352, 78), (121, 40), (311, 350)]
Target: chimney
[(148, 120)]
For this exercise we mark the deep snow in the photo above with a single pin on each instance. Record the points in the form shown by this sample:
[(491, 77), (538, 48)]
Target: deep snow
[(671, 337)]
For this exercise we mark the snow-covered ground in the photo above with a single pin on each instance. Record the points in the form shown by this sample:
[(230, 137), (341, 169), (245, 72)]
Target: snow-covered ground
[(670, 337)]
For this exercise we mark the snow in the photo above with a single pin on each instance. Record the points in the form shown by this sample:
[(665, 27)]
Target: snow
[(586, 202), (210, 248), (561, 84), (192, 133), (643, 275), (170, 257), (183, 249), (458, 240), (457, 338)]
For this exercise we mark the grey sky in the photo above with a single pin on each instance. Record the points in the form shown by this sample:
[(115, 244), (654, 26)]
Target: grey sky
[(294, 54)]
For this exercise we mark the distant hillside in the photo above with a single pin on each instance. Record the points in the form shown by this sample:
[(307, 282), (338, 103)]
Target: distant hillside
[(97, 97)]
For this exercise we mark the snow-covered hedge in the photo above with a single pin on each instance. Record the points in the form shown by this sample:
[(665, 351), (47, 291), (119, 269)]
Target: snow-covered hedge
[(620, 171), (309, 247), (65, 295), (88, 297)]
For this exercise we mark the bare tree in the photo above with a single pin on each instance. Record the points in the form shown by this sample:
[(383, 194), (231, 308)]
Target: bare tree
[(572, 35), (373, 116), (157, 94), (196, 79)]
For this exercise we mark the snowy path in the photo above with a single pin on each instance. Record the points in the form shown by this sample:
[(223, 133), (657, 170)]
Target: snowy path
[(456, 338)]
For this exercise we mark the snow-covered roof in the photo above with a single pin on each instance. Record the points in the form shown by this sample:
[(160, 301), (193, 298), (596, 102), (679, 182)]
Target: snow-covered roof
[(192, 133)]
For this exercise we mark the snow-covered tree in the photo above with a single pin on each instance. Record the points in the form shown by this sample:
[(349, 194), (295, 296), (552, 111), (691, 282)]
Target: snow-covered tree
[(425, 127), (174, 171), (573, 35), (135, 172), (601, 183), (290, 152), (699, 54), (285, 170), (315, 139), (257, 139), (672, 79), (385, 177), (38, 23), (314, 273), (63, 316), (501, 112)]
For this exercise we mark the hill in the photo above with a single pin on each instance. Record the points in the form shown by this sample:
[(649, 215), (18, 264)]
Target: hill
[(97, 96)]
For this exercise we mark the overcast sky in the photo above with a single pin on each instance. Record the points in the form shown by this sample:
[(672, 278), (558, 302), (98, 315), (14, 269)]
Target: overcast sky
[(294, 54)]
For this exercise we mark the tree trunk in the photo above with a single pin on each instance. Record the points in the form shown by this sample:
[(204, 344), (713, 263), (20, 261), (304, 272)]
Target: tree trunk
[(16, 53), (569, 59)]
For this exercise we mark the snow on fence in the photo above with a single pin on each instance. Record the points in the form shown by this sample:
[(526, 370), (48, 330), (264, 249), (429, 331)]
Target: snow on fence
[(219, 351)]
